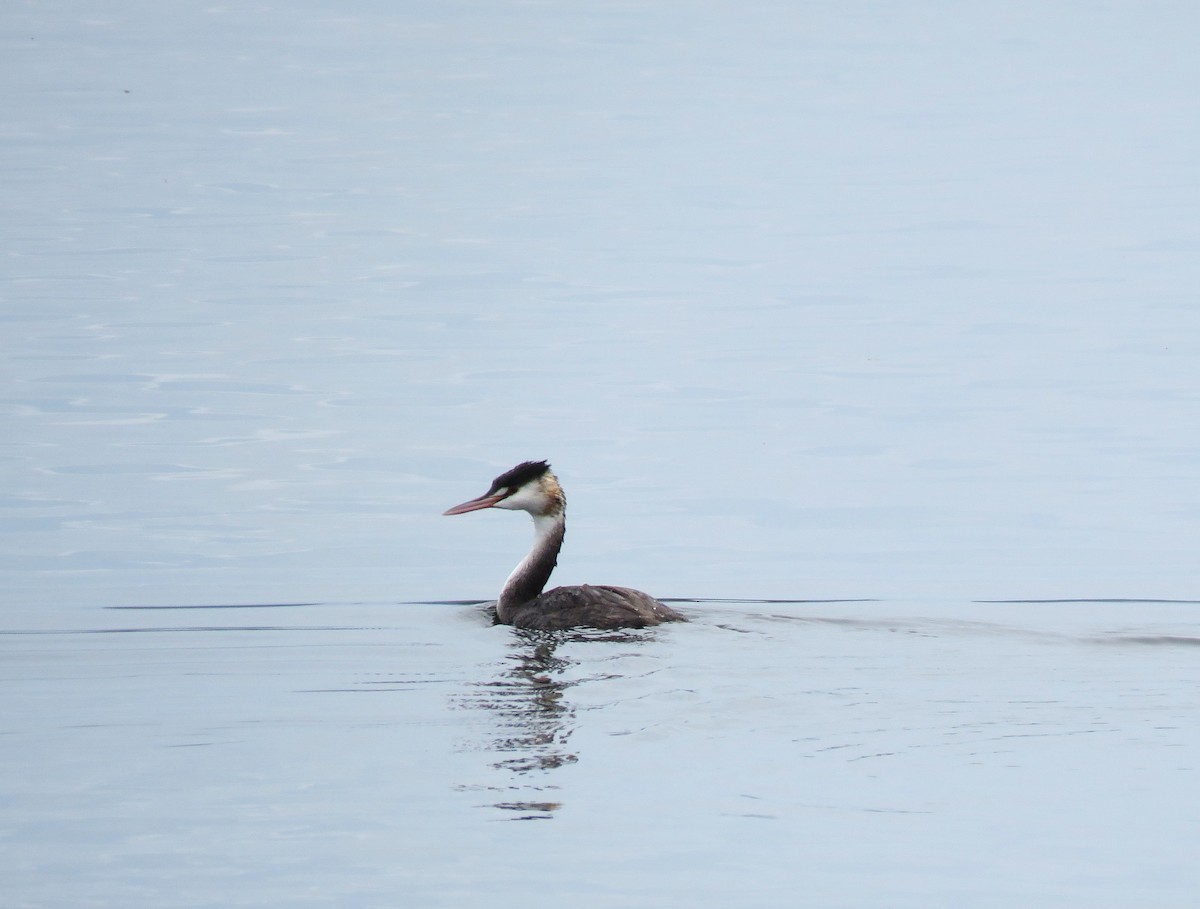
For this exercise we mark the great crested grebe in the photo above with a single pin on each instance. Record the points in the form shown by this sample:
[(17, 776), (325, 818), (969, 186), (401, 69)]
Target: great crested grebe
[(531, 487)]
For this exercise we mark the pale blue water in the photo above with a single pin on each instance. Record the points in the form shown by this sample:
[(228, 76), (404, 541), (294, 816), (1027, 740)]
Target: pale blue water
[(888, 309), (405, 754)]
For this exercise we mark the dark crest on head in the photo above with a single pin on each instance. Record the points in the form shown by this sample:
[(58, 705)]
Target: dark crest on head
[(519, 475)]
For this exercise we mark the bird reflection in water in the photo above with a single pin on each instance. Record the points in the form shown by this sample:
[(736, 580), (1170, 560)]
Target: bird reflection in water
[(533, 718)]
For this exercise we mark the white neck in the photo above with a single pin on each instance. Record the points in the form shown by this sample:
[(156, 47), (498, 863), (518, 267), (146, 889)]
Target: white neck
[(529, 578)]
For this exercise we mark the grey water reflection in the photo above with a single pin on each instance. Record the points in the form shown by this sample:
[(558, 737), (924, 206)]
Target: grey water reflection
[(532, 717)]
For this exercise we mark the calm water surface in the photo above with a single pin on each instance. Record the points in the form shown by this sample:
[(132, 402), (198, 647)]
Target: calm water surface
[(870, 332), (374, 753)]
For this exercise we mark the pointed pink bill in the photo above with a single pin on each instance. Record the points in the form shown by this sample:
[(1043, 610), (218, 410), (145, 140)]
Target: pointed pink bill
[(474, 504)]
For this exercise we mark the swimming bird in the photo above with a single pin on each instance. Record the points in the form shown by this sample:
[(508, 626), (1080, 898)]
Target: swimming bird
[(531, 487)]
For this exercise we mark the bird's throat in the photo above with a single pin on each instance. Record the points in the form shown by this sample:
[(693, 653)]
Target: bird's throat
[(529, 578)]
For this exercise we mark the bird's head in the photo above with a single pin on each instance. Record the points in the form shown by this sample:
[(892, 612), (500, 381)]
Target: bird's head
[(530, 486)]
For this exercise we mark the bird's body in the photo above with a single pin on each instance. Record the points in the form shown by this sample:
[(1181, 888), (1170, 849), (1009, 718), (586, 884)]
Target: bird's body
[(531, 487), (589, 606)]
